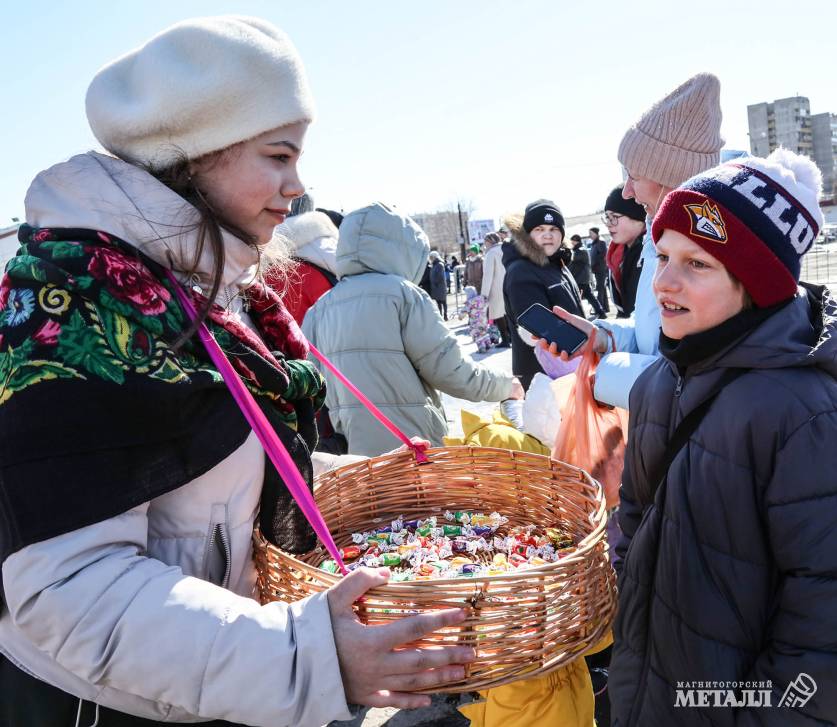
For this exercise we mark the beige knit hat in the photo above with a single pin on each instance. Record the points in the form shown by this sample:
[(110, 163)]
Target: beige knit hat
[(679, 136), (201, 85)]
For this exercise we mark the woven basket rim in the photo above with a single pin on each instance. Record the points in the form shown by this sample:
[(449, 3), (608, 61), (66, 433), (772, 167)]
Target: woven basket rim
[(581, 549)]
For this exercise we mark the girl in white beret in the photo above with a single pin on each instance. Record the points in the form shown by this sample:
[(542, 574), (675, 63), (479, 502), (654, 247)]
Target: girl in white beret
[(129, 480)]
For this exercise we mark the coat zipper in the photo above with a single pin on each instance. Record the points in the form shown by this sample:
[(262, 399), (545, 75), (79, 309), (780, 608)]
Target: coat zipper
[(219, 537)]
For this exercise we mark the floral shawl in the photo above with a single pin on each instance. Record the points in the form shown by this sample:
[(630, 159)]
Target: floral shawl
[(99, 413)]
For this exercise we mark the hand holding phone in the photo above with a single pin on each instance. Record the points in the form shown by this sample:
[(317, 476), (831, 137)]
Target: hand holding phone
[(567, 338)]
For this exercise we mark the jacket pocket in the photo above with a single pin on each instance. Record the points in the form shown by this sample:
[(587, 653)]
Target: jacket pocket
[(218, 557)]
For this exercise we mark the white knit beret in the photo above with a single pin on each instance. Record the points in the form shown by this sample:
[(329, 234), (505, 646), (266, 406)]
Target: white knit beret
[(201, 85)]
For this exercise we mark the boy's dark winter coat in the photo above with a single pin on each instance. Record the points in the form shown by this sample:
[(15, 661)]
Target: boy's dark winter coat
[(736, 578)]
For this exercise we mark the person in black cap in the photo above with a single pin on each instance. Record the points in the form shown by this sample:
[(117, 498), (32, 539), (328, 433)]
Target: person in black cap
[(625, 220), (598, 266), (580, 269), (536, 272)]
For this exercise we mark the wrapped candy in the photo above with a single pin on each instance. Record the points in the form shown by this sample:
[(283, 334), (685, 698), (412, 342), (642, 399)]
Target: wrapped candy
[(560, 538), (350, 553), (459, 544)]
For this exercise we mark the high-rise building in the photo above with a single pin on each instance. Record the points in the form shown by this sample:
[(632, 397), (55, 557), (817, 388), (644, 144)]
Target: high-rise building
[(824, 130), (785, 122), (788, 122)]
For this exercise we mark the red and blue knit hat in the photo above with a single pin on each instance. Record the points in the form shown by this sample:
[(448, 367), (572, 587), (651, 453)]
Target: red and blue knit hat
[(758, 217)]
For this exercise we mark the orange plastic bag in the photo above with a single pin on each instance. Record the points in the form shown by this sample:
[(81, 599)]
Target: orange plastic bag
[(592, 436)]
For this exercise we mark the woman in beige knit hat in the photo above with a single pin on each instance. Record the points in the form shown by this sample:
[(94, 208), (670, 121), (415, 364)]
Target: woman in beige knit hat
[(678, 137)]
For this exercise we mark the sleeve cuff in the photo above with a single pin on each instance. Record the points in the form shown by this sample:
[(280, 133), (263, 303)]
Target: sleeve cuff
[(315, 643)]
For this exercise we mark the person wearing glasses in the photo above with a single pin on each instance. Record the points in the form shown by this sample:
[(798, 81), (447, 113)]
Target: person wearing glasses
[(625, 220), (678, 137)]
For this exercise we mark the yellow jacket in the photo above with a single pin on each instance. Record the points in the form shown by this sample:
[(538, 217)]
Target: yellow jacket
[(563, 698)]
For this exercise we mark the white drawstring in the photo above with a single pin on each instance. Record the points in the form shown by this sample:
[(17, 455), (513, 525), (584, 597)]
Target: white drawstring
[(78, 714)]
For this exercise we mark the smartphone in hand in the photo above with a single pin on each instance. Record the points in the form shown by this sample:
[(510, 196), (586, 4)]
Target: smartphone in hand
[(543, 323)]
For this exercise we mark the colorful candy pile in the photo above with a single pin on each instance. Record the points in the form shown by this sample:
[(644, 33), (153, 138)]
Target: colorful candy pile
[(461, 544)]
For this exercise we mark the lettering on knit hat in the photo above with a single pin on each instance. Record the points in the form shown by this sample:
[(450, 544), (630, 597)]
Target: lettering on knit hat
[(548, 217), (707, 221), (784, 212)]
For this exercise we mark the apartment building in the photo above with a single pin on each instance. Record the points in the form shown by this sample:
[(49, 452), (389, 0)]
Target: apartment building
[(788, 122)]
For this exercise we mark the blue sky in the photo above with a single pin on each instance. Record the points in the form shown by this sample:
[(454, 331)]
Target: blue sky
[(423, 103)]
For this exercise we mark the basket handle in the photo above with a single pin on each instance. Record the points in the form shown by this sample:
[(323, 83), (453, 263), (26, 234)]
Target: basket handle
[(271, 443), (419, 449)]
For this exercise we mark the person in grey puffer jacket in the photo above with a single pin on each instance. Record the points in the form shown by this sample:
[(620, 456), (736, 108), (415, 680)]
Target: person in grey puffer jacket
[(384, 334), (730, 561)]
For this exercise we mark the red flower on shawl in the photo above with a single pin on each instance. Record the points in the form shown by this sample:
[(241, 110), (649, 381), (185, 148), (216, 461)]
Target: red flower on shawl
[(5, 287), (47, 334), (128, 280), (278, 325)]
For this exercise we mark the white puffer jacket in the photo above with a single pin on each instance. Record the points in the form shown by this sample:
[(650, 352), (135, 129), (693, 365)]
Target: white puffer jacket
[(152, 612)]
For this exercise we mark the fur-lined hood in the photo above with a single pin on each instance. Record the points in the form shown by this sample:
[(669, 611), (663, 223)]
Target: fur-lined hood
[(523, 242), (311, 236)]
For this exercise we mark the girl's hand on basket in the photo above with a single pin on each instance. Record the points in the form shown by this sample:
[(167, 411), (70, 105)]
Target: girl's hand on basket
[(583, 325), (378, 669)]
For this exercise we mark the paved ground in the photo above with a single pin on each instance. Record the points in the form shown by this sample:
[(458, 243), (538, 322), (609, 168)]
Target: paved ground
[(496, 358), (442, 713)]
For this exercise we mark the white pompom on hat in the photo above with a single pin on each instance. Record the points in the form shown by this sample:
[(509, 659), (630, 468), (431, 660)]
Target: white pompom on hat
[(200, 86)]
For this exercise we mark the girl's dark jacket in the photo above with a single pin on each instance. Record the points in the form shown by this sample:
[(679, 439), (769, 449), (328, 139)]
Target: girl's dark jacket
[(734, 578), (532, 277)]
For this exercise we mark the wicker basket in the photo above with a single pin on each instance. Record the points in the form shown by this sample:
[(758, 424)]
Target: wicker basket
[(524, 623)]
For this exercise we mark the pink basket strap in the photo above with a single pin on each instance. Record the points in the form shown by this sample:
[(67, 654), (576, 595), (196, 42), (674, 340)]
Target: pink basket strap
[(273, 446), (373, 410)]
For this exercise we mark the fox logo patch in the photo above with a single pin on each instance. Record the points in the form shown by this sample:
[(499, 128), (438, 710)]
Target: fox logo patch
[(707, 221)]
